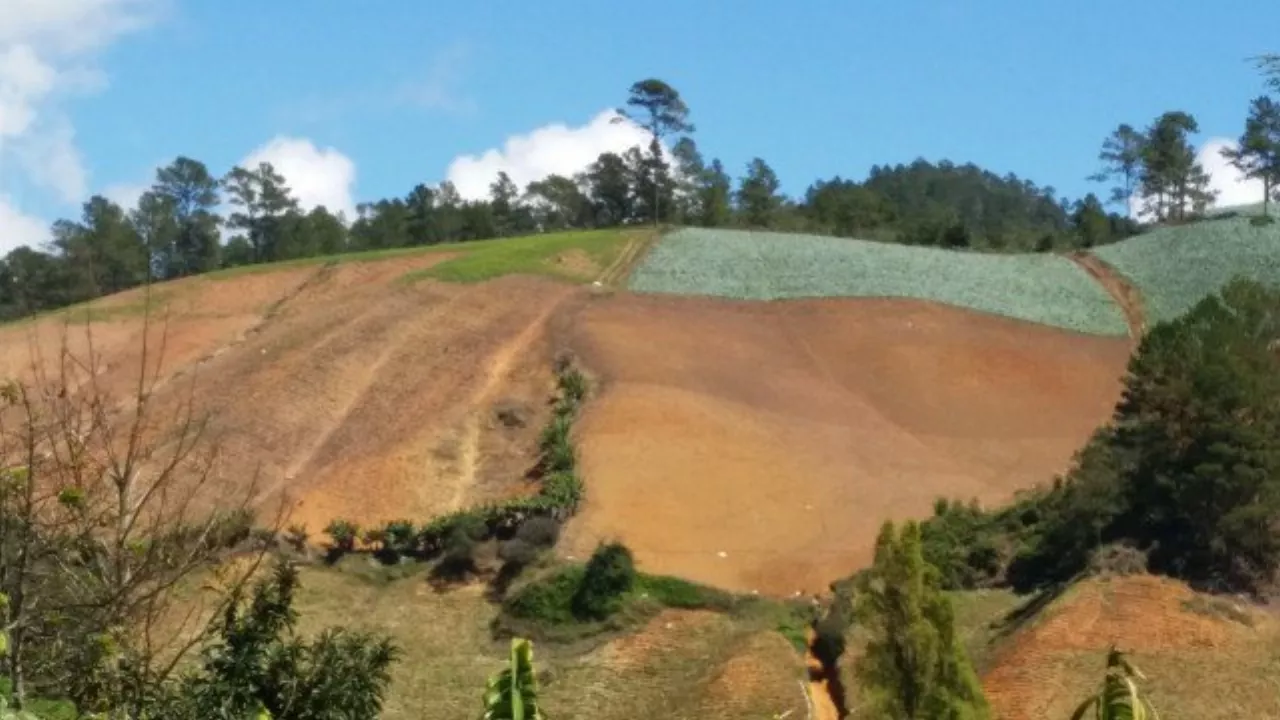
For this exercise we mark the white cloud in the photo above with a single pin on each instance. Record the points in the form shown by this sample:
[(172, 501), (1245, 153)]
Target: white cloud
[(17, 229), (316, 176), (1233, 188), (47, 52), (53, 161), (552, 149), (125, 194), (1230, 184)]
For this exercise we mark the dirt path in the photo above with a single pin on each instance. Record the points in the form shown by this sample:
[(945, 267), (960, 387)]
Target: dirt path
[(821, 705), (499, 367), (1119, 287), (635, 249)]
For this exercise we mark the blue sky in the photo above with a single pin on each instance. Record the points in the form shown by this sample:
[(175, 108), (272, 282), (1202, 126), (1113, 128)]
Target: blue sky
[(361, 100)]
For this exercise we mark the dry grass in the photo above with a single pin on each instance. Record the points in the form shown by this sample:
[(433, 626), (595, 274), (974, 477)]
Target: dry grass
[(682, 664)]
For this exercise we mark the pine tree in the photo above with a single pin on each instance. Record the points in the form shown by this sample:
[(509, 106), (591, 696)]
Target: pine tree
[(914, 667), (1258, 152)]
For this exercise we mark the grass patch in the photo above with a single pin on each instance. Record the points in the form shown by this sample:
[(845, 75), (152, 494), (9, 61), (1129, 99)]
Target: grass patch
[(542, 606), (1219, 608), (531, 255)]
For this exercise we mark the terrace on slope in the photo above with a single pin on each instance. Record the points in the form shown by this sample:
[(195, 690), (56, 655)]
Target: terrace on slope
[(758, 446), (1042, 288)]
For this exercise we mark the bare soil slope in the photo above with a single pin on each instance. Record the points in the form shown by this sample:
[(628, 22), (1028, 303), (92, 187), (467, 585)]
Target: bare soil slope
[(759, 446), (1205, 657), (346, 392)]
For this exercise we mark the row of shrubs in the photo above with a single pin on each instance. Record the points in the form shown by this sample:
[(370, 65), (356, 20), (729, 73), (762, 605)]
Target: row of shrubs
[(452, 536)]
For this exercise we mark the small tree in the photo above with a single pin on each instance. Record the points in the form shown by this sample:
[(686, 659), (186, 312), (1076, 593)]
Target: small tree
[(258, 664), (914, 668), (1118, 699), (609, 576)]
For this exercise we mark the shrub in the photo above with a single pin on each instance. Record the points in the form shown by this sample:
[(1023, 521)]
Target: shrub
[(573, 387), (1120, 558), (550, 600), (400, 537), (609, 576), (342, 535), (539, 532), (296, 537)]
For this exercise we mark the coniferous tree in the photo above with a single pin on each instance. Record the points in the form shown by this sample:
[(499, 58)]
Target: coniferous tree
[(1258, 153), (758, 198), (1122, 163), (914, 667), (715, 196), (1172, 180), (657, 107)]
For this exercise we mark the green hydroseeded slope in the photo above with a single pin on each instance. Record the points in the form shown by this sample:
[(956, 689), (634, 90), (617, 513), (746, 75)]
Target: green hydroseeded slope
[(1039, 288)]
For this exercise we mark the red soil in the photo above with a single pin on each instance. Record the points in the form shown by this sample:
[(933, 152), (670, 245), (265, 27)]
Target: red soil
[(758, 446), (1036, 676), (353, 395)]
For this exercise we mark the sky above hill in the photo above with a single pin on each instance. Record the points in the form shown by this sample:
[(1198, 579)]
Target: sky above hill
[(359, 101)]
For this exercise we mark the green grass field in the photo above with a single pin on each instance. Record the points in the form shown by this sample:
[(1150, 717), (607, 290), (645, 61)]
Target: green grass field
[(1039, 288), (1174, 268), (530, 255), (481, 259)]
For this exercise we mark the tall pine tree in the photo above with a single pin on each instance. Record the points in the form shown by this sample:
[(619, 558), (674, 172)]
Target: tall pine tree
[(914, 667)]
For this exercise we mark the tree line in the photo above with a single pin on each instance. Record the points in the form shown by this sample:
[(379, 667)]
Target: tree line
[(177, 227), (1158, 167)]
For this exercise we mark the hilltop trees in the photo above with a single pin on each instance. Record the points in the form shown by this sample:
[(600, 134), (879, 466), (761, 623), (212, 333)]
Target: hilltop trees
[(914, 667), (263, 199), (1122, 162), (1159, 165), (757, 196), (658, 107), (1258, 153), (178, 219)]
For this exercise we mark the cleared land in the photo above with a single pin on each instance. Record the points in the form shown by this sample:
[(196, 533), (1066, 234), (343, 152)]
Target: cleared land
[(359, 387), (758, 446), (1041, 288), (1177, 267)]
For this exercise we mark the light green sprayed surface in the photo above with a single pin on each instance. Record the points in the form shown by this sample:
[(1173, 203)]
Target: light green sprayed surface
[(1175, 268), (747, 265)]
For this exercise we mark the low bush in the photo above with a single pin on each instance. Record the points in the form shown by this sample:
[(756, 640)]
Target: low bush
[(549, 601), (342, 536)]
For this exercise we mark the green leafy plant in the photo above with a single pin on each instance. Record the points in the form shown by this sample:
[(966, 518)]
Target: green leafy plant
[(1118, 699), (512, 694), (342, 535), (609, 576)]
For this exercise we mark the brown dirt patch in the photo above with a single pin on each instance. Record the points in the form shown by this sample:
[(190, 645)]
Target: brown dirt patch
[(350, 393), (1118, 286), (577, 263), (782, 434), (1051, 666)]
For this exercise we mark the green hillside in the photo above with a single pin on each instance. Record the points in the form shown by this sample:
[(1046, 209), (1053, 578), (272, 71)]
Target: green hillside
[(1040, 288), (1176, 267)]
